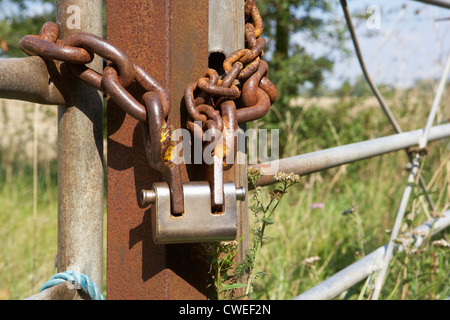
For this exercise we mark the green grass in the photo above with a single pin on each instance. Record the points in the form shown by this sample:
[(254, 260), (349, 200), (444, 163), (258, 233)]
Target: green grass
[(373, 189), (28, 237), (300, 232)]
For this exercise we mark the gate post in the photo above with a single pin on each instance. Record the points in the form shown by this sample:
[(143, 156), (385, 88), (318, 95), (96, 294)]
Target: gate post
[(169, 39), (80, 157), (226, 35)]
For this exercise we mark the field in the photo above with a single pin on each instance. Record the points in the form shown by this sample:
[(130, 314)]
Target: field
[(310, 239)]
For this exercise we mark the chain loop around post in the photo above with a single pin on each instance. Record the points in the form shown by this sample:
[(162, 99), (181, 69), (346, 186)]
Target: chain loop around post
[(79, 49), (245, 84), (217, 103)]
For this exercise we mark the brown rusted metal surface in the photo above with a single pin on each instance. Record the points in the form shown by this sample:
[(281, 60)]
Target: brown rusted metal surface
[(169, 40)]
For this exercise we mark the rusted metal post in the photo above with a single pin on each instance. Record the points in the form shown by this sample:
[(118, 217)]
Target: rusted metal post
[(80, 155), (169, 39)]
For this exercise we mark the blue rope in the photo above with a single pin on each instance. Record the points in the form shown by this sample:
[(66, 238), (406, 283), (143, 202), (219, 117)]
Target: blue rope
[(75, 277)]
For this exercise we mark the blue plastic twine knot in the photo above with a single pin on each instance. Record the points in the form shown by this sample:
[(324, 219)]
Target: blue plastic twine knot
[(76, 278)]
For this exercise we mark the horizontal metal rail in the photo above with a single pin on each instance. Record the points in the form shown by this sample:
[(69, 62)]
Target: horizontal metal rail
[(28, 79), (439, 3), (363, 268), (333, 157)]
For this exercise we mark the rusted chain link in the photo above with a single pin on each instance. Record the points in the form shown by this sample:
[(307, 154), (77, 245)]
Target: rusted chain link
[(213, 103), (244, 93), (79, 49)]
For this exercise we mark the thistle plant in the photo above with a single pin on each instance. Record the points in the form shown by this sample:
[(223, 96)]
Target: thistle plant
[(226, 273), (263, 212)]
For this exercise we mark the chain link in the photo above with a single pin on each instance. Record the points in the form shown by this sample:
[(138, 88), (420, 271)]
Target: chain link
[(79, 49), (214, 103), (243, 94)]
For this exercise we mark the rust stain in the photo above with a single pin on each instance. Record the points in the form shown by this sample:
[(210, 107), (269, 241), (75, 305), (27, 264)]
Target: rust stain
[(168, 40)]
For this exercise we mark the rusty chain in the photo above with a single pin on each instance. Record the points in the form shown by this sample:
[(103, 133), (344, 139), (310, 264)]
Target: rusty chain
[(79, 49), (243, 94)]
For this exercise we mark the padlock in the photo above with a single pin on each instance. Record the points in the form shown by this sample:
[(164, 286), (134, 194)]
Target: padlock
[(197, 223)]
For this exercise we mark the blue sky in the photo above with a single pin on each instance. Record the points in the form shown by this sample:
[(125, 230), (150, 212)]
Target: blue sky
[(410, 44)]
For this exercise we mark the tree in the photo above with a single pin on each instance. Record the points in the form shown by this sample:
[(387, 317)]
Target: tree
[(22, 17), (19, 18), (293, 65), (292, 27)]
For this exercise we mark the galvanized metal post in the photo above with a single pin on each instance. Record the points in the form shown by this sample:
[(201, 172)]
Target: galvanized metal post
[(226, 35), (80, 155)]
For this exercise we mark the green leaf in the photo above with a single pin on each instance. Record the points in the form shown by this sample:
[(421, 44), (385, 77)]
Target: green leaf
[(268, 221), (232, 286)]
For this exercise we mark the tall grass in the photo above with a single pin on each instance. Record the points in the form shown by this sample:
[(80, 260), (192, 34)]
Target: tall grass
[(28, 201), (333, 218), (28, 236)]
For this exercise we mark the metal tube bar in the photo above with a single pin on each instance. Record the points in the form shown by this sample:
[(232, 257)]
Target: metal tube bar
[(226, 35), (359, 55), (80, 157), (378, 94), (434, 108), (387, 257), (59, 292), (423, 140), (363, 268), (226, 26), (439, 3), (28, 79), (333, 157)]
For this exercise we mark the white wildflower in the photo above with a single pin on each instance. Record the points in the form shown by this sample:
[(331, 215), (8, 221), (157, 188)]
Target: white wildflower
[(311, 260), (441, 243)]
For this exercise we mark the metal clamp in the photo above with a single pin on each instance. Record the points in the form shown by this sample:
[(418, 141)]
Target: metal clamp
[(197, 223)]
